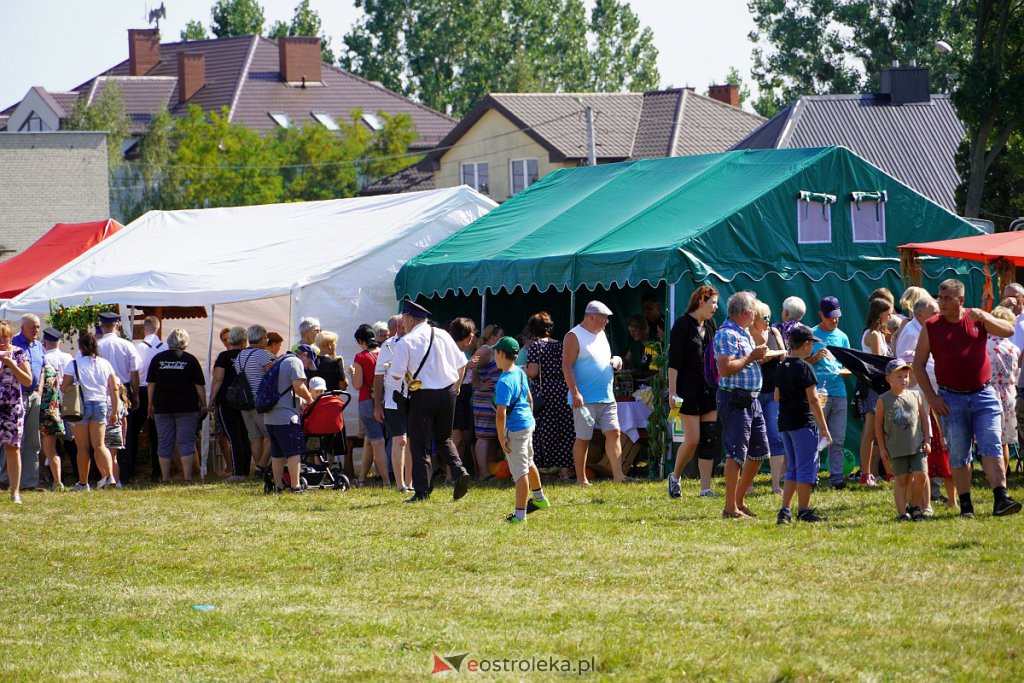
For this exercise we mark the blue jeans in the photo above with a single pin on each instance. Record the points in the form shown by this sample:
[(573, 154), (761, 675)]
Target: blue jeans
[(835, 418), (770, 409), (972, 417)]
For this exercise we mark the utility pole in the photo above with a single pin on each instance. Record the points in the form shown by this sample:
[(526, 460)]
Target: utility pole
[(588, 113)]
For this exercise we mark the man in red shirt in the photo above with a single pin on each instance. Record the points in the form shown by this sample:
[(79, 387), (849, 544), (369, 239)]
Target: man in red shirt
[(966, 403)]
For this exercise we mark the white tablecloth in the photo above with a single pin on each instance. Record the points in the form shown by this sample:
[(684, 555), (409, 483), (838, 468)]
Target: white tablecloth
[(633, 416)]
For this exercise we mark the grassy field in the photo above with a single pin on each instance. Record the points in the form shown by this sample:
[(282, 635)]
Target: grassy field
[(354, 586)]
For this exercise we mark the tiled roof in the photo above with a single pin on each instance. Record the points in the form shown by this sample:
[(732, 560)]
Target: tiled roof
[(708, 126), (66, 101), (242, 76), (655, 134), (409, 179), (914, 143)]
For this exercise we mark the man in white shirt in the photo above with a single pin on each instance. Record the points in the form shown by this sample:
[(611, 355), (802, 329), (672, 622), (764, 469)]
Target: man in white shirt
[(121, 354), (57, 359), (395, 421), (138, 419), (431, 364)]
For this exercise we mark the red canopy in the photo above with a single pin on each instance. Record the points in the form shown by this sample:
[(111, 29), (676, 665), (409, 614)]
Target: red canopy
[(64, 242), (984, 248)]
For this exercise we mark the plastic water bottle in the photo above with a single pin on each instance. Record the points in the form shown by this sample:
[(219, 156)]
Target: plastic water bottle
[(585, 414)]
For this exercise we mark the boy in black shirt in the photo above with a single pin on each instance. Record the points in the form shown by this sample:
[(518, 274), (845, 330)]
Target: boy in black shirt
[(799, 407)]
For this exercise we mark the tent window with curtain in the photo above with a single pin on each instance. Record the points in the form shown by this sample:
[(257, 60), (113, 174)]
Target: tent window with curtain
[(867, 216), (814, 217)]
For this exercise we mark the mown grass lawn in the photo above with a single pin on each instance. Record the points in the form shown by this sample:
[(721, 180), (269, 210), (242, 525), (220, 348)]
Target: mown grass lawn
[(355, 586)]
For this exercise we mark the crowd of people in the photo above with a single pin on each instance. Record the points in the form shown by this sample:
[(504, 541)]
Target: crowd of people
[(430, 399)]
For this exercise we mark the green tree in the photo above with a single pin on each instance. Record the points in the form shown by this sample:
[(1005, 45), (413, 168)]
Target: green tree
[(237, 18), (194, 30), (990, 60), (450, 54), (808, 47), (305, 22), (106, 113)]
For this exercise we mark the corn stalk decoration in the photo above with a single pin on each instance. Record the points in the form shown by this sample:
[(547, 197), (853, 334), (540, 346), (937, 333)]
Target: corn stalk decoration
[(659, 435), (72, 320)]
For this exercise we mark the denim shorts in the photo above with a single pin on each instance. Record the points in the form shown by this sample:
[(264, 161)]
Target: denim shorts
[(176, 429), (801, 455), (374, 430), (744, 434), (972, 417), (94, 411), (286, 440)]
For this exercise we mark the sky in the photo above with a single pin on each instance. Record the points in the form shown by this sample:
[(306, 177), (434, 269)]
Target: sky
[(59, 44)]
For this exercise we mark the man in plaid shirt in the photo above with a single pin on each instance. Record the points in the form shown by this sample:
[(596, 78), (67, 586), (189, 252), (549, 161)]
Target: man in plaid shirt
[(739, 412)]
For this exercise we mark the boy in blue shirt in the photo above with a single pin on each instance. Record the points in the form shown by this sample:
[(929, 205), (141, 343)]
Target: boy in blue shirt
[(831, 382), (515, 424)]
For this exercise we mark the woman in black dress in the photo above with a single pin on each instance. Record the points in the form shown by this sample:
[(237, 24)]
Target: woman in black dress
[(690, 334), (554, 436)]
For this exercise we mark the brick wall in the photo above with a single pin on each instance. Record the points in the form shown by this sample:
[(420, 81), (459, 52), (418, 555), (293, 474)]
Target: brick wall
[(47, 178)]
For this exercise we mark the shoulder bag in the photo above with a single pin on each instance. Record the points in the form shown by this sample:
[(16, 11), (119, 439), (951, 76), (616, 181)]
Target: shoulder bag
[(71, 410), (398, 396)]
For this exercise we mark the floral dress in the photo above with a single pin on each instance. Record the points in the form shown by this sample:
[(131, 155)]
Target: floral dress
[(554, 436), (12, 408), (1005, 360), (50, 421)]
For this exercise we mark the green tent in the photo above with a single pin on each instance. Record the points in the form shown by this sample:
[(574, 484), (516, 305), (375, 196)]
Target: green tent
[(804, 222)]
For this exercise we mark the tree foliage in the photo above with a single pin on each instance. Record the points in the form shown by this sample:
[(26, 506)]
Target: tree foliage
[(449, 54), (305, 22), (106, 113), (733, 77), (237, 18), (813, 47), (194, 30), (202, 160)]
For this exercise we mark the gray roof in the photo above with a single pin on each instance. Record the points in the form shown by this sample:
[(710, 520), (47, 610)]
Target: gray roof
[(242, 76), (409, 179), (914, 143)]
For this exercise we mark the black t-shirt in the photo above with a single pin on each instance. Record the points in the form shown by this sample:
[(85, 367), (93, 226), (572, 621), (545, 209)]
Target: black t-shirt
[(226, 361), (330, 369), (793, 377), (686, 354), (176, 374)]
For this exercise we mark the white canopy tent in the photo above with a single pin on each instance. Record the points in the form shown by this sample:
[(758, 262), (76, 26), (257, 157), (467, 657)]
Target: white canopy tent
[(335, 260)]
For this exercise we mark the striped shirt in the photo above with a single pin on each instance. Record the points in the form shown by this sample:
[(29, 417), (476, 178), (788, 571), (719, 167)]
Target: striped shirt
[(253, 360), (735, 342)]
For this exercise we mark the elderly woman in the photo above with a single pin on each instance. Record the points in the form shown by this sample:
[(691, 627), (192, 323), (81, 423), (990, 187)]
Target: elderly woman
[(254, 362), (224, 375), (97, 386), (554, 436), (793, 310), (763, 333), (177, 397), (309, 328), (1004, 357), (362, 371), (15, 374), (380, 329)]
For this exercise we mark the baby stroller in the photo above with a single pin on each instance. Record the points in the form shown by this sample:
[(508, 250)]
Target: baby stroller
[(323, 421)]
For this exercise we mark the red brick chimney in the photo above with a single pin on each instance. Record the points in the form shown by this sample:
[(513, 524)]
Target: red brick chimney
[(300, 59), (191, 74), (143, 50), (730, 94)]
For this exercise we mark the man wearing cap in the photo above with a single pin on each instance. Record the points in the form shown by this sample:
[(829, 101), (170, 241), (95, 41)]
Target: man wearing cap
[(744, 432), (431, 365), (589, 368), (28, 339), (138, 419), (121, 354), (966, 402), (284, 426), (831, 382)]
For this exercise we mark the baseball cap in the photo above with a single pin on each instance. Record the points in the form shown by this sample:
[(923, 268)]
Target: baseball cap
[(318, 383), (829, 307), (800, 335), (308, 350), (507, 345), (599, 308), (896, 364)]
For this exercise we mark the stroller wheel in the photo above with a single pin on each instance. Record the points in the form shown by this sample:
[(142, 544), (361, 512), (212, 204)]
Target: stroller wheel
[(303, 483), (341, 482), (268, 487)]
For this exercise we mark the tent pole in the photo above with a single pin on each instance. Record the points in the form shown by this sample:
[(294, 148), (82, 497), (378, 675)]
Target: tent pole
[(206, 418), (671, 305), (572, 308), (483, 311)]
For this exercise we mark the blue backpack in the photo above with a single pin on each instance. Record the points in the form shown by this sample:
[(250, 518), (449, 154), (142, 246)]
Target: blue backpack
[(267, 394)]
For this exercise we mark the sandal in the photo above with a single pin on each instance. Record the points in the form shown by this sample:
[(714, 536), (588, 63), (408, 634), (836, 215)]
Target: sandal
[(744, 510), (733, 515)]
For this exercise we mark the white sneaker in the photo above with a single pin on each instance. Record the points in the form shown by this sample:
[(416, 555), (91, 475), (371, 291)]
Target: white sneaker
[(928, 512), (104, 483), (708, 493), (117, 485), (81, 487)]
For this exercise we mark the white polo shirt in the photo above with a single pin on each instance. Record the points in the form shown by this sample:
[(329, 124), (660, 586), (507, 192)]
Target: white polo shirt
[(121, 354), (147, 348), (442, 367), (390, 384)]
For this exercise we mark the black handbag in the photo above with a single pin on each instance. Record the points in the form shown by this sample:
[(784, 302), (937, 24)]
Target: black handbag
[(398, 396)]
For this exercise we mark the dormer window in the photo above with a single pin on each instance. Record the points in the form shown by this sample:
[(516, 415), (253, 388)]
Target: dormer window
[(373, 121), (326, 120), (281, 119)]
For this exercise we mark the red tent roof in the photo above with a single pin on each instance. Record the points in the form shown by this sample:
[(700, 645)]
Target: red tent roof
[(984, 248), (64, 242)]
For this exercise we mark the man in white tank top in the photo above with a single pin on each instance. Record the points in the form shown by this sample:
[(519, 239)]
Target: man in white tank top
[(589, 368)]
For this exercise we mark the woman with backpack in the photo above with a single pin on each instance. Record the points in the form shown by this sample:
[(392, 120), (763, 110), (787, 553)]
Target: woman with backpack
[(230, 417), (690, 338)]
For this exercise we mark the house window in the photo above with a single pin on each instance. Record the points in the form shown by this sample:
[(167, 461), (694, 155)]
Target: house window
[(476, 176), (814, 217), (523, 174), (326, 120), (373, 121), (867, 215), (32, 123), (281, 119)]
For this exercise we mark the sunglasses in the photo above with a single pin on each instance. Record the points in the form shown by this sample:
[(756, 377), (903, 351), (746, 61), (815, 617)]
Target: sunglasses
[(766, 318)]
